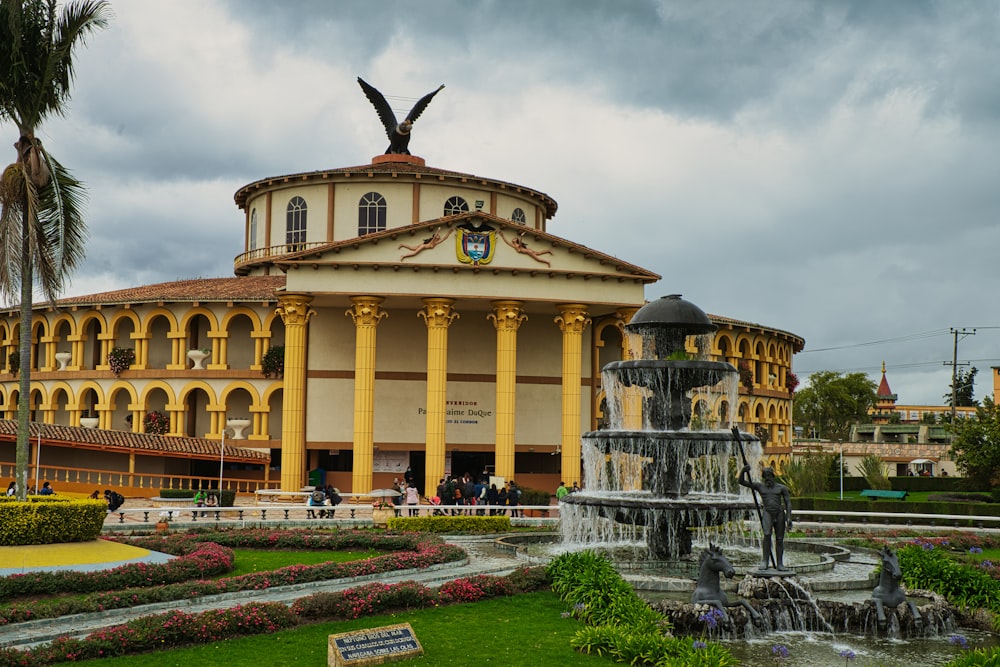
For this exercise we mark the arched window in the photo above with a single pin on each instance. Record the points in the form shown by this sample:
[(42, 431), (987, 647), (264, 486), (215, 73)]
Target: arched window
[(371, 214), (295, 224), (518, 216), (456, 205), (253, 230)]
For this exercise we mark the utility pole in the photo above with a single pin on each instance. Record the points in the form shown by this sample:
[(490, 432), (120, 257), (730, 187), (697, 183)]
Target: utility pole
[(954, 366)]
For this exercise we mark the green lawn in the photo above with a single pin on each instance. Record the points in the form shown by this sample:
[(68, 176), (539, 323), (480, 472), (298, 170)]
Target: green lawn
[(521, 630), (248, 561)]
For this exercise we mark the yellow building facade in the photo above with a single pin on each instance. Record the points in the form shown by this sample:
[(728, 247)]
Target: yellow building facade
[(427, 319)]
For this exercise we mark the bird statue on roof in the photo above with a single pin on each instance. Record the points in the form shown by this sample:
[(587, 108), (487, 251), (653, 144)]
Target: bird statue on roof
[(398, 133)]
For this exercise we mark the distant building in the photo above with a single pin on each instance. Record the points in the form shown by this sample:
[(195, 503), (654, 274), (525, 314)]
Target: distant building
[(910, 439)]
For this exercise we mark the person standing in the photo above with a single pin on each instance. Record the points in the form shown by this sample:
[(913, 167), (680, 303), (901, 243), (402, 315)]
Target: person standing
[(502, 500), (480, 492), (562, 491), (397, 499), (514, 499), (493, 498), (412, 498), (468, 491), (776, 514)]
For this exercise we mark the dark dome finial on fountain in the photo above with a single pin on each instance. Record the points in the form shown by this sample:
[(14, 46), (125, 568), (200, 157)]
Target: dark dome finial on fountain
[(667, 322)]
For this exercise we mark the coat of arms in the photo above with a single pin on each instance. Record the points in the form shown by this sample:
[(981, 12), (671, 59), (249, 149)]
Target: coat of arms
[(475, 245)]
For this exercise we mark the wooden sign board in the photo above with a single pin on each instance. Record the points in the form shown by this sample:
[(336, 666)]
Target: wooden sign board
[(374, 646)]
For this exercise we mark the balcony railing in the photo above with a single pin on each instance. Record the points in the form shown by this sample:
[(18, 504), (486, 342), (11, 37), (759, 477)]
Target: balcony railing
[(86, 479)]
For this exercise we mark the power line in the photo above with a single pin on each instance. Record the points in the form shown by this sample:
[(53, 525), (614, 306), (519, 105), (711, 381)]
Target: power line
[(876, 367), (900, 339)]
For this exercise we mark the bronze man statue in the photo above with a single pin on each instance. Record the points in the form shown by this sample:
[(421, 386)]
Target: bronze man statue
[(776, 515)]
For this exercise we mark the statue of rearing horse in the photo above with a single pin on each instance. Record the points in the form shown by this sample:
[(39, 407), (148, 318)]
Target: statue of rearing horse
[(888, 592), (707, 590)]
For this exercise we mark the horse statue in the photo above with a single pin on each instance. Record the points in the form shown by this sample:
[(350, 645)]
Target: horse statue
[(888, 592), (707, 590)]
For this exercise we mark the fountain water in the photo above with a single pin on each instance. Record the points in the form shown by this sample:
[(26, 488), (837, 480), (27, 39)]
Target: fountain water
[(666, 466), (664, 472)]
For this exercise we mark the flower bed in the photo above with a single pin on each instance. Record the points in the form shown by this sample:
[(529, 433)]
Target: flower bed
[(176, 629), (183, 578)]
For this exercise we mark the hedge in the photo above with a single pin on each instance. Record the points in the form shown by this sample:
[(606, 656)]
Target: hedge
[(804, 505), (907, 483), (51, 521)]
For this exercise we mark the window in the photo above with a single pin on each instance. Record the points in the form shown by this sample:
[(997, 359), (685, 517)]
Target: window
[(253, 229), (456, 205), (371, 214), (295, 224), (518, 216)]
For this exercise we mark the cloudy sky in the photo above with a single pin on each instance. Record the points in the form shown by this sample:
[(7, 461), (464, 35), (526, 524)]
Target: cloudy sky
[(826, 168)]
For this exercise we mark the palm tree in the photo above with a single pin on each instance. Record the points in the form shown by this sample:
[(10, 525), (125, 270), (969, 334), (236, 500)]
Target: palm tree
[(42, 231)]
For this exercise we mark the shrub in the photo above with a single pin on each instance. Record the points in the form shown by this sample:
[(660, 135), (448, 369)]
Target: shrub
[(534, 497), (875, 472), (621, 625), (272, 364), (48, 520), (451, 524)]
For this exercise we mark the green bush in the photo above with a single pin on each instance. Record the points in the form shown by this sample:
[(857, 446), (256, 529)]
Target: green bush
[(451, 524), (915, 483), (535, 497), (927, 567), (620, 624), (50, 521), (875, 472)]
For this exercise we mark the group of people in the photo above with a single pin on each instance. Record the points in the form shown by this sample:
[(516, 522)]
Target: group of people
[(564, 490), (319, 497), (46, 490), (463, 491)]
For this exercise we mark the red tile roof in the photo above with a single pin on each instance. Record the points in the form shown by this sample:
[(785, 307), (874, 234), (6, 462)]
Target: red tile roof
[(246, 288), (126, 442)]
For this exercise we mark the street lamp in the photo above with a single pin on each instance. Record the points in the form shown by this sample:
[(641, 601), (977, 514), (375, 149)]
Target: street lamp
[(841, 444)]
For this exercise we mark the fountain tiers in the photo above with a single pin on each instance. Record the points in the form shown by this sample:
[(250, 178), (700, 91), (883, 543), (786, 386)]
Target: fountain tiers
[(664, 480)]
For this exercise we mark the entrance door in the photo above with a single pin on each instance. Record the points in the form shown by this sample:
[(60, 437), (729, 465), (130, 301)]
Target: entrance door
[(473, 463)]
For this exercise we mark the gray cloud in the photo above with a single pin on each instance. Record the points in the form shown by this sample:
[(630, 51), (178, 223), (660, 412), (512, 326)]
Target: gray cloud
[(826, 168)]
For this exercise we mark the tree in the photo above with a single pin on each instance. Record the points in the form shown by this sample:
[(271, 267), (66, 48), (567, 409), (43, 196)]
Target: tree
[(975, 447), (832, 403), (964, 389), (42, 231)]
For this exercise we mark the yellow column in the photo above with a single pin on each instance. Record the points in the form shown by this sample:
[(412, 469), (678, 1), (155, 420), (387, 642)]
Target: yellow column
[(295, 313), (572, 320), (438, 315), (507, 317), (366, 314), (632, 396)]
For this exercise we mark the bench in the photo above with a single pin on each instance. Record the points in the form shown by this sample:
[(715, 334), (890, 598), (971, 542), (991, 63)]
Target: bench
[(882, 493)]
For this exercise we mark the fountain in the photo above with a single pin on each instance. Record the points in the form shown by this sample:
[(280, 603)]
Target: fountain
[(651, 477), (665, 473)]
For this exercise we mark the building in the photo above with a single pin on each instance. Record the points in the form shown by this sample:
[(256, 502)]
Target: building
[(425, 318), (910, 439)]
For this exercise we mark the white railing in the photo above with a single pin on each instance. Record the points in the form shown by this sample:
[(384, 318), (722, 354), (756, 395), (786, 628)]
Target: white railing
[(298, 511), (902, 518)]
